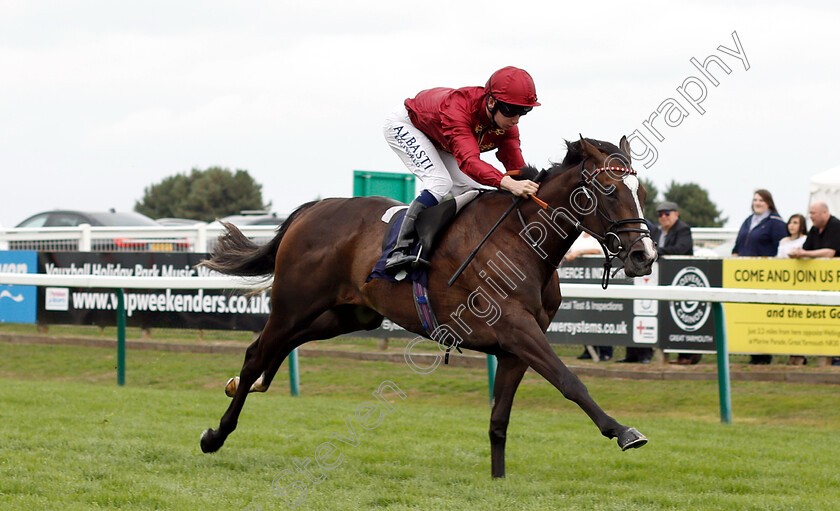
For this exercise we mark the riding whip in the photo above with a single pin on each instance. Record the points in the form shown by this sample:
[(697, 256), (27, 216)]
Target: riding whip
[(469, 259)]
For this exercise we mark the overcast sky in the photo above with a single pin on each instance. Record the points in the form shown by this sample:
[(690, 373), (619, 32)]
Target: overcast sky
[(99, 100)]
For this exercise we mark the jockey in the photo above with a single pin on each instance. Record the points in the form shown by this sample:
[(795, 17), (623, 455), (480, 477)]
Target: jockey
[(439, 135)]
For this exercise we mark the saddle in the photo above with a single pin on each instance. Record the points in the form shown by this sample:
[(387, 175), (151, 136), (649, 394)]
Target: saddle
[(431, 223)]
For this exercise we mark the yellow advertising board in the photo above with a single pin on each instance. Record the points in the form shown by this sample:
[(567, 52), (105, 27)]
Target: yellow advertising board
[(782, 329)]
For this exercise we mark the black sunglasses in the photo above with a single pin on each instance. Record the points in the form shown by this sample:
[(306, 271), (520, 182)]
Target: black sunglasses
[(664, 213), (509, 110)]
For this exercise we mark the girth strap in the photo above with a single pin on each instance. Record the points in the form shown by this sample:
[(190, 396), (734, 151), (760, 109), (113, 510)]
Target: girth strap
[(427, 316)]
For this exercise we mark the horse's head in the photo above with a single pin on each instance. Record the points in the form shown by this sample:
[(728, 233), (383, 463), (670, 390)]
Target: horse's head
[(609, 202)]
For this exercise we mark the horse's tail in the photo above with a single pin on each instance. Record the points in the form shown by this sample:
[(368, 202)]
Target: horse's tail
[(235, 254)]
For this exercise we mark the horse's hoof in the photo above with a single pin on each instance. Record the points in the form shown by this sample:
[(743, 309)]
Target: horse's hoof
[(631, 439), (230, 386), (258, 385), (233, 383), (209, 443)]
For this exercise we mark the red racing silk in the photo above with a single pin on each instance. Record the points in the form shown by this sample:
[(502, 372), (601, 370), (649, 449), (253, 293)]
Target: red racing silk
[(457, 122)]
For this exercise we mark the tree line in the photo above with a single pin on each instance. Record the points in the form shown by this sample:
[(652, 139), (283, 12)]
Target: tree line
[(203, 195), (696, 208)]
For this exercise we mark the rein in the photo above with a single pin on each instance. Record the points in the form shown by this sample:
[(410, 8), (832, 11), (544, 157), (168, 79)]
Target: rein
[(539, 177), (610, 241)]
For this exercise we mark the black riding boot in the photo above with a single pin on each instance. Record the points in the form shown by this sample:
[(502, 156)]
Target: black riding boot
[(400, 259)]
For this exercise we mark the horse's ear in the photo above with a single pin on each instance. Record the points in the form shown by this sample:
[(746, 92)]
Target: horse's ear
[(624, 145), (589, 149)]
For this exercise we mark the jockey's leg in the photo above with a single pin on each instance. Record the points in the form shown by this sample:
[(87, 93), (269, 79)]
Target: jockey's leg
[(418, 153), (420, 156), (461, 183), (400, 258)]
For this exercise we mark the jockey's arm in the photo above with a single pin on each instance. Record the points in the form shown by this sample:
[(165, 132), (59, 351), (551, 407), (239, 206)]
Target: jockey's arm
[(464, 146), (522, 188)]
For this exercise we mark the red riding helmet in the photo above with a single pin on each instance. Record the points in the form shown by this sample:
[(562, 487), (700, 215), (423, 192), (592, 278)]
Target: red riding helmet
[(513, 86)]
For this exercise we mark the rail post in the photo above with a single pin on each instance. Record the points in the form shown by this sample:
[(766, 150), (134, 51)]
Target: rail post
[(492, 363), (722, 364), (294, 380), (120, 337)]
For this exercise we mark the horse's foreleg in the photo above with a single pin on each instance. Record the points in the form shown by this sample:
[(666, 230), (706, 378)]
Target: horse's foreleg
[(533, 347), (508, 375)]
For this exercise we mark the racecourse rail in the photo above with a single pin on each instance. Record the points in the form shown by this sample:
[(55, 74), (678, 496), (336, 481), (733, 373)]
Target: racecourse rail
[(202, 237), (717, 296)]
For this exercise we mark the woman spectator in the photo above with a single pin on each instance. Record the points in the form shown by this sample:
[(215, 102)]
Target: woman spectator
[(797, 231), (796, 236), (761, 232), (759, 236)]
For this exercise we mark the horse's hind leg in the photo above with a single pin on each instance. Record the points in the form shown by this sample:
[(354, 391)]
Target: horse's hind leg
[(257, 358), (266, 355), (342, 319), (286, 318), (508, 375), (336, 321), (233, 383), (532, 347)]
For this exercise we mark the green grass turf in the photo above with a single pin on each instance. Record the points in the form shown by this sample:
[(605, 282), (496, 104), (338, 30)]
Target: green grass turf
[(71, 439)]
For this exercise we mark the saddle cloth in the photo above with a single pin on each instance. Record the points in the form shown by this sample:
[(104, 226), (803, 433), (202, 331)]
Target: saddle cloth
[(430, 224)]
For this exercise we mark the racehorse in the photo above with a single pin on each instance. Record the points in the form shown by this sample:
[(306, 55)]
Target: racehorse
[(323, 253)]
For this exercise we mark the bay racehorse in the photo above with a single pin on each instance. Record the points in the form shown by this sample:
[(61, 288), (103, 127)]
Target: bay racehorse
[(323, 253)]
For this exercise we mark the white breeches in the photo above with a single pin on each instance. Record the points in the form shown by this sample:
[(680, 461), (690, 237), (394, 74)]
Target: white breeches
[(437, 170)]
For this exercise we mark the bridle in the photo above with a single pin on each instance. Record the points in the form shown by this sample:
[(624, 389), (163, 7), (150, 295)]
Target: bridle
[(610, 241)]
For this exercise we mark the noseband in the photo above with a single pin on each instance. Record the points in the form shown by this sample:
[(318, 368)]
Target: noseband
[(610, 241)]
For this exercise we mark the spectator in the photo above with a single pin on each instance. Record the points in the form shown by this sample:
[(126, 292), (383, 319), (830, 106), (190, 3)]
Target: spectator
[(586, 244), (823, 239), (759, 236), (673, 237), (796, 231), (760, 233)]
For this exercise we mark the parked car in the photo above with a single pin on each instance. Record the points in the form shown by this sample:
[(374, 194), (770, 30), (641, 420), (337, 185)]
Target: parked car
[(111, 218), (4, 245), (254, 217), (178, 222), (65, 218)]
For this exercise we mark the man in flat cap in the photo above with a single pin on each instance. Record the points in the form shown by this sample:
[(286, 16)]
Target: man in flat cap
[(674, 235), (674, 238)]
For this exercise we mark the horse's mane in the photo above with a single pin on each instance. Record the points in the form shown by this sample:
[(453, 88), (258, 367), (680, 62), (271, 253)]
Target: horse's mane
[(575, 154)]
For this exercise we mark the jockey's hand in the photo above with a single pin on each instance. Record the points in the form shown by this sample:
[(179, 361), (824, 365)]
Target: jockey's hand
[(523, 188)]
